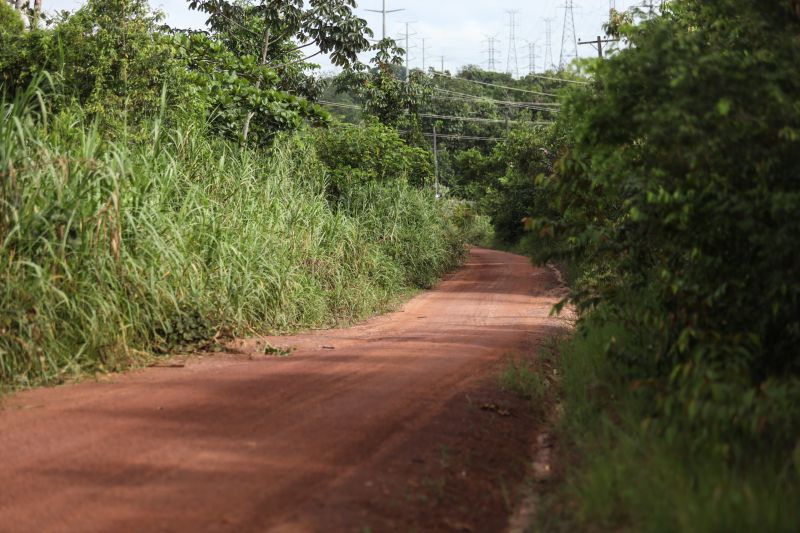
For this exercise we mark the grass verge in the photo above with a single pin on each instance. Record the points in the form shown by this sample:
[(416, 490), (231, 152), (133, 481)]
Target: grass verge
[(113, 250), (621, 474)]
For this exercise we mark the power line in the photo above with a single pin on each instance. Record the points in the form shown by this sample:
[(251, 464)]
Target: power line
[(487, 99), (513, 105), (499, 86), (446, 117), (340, 104), (478, 119), (429, 115), (465, 137)]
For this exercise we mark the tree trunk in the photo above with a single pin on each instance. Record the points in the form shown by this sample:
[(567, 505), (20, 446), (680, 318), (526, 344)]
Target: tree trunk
[(264, 50)]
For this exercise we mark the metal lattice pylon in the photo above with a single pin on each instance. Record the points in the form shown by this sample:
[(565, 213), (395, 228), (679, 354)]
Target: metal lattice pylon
[(569, 41), (548, 45), (512, 63)]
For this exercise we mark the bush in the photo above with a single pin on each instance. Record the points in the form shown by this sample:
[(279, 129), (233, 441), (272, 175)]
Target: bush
[(681, 196), (370, 152), (626, 477)]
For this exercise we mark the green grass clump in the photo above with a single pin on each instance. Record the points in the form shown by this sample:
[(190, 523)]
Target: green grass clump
[(626, 473), (524, 378), (114, 250)]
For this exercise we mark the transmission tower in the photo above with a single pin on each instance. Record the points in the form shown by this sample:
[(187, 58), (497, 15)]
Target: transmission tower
[(548, 46), (531, 58), (384, 12), (651, 8), (425, 49), (407, 36), (491, 51), (512, 63), (569, 41)]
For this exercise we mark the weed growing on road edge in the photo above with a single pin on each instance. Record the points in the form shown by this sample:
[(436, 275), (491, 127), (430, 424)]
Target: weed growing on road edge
[(531, 376), (276, 351), (521, 377)]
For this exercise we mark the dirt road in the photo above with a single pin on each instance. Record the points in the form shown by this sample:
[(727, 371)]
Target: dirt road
[(383, 426)]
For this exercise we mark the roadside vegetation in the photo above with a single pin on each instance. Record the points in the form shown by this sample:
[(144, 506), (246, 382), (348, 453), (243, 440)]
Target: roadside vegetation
[(675, 208), (135, 219), (162, 188)]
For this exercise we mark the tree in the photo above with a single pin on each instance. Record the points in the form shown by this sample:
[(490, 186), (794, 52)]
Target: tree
[(681, 187), (330, 25), (382, 92)]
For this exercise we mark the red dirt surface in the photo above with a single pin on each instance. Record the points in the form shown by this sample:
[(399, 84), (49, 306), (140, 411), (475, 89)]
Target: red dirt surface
[(378, 427)]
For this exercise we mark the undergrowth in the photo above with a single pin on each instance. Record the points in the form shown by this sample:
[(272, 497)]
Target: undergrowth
[(623, 474), (111, 251)]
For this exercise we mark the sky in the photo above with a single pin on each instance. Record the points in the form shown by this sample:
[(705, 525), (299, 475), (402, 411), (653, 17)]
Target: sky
[(457, 30)]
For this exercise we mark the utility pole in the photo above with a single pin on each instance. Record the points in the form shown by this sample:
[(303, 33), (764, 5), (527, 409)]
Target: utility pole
[(384, 12), (569, 43), (491, 51), (512, 44), (435, 162), (424, 54), (442, 64), (598, 44), (407, 37), (548, 47)]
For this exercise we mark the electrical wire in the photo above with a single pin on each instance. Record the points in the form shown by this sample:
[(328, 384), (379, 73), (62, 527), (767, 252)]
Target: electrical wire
[(445, 117), (513, 105), (464, 137), (478, 119), (469, 97), (497, 86)]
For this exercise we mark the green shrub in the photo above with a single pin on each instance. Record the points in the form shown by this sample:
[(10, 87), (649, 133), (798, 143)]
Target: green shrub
[(680, 196), (370, 152), (622, 475)]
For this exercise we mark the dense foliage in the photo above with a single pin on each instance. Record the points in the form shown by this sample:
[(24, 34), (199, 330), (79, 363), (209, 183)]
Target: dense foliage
[(681, 191), (369, 152), (109, 250), (134, 217)]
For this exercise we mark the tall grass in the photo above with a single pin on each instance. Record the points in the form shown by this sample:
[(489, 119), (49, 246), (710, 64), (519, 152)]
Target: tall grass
[(113, 250), (624, 475)]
